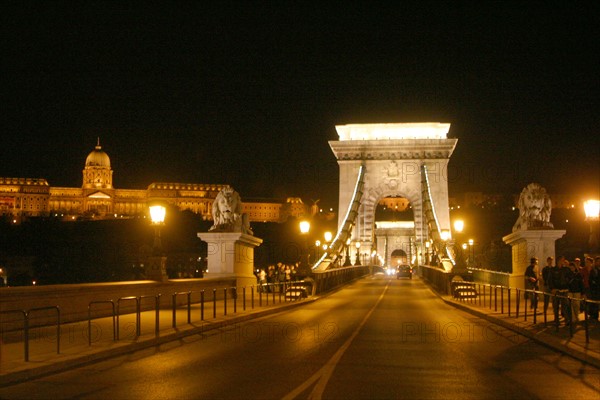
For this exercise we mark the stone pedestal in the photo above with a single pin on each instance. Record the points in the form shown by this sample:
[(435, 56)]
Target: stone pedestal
[(528, 244), (231, 254), (156, 270)]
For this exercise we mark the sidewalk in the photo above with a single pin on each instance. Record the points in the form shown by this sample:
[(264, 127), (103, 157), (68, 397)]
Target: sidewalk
[(497, 312), (75, 349)]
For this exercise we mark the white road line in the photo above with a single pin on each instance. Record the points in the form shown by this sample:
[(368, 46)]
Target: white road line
[(324, 374)]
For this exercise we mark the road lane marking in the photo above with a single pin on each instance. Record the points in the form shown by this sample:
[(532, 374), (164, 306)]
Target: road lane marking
[(323, 375)]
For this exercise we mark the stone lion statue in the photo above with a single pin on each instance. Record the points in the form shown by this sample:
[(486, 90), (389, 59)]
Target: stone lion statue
[(534, 209), (227, 213)]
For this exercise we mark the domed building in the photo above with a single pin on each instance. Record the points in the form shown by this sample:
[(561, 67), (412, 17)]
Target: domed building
[(97, 173), (98, 199)]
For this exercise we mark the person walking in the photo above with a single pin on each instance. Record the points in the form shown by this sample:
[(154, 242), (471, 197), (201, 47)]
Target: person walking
[(575, 291), (531, 282)]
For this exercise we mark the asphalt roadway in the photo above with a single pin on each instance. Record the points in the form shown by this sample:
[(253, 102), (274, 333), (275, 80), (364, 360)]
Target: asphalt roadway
[(375, 338)]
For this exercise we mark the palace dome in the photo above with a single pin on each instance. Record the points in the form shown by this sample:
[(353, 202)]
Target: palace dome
[(97, 158)]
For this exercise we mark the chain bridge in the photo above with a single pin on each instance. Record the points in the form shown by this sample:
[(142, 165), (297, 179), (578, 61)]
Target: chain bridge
[(408, 160)]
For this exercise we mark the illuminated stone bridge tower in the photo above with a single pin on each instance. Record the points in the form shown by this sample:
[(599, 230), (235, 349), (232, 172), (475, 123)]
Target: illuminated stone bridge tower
[(393, 156)]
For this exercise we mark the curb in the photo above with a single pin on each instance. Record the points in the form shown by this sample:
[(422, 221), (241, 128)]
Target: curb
[(12, 378)]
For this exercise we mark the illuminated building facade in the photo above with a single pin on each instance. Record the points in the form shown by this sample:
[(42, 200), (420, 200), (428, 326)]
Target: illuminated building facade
[(98, 199)]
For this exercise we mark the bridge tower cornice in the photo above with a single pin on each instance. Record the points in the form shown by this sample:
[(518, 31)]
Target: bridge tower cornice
[(399, 149)]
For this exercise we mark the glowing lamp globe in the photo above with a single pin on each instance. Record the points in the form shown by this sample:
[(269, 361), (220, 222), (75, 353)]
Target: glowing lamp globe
[(592, 210), (157, 214), (304, 226), (459, 225)]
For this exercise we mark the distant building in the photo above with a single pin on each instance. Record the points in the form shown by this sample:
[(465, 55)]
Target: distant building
[(479, 199), (98, 199), (395, 203)]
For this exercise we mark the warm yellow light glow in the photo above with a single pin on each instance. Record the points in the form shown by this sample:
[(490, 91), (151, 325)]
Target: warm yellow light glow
[(395, 224), (157, 214), (471, 241), (459, 225), (357, 244), (304, 226), (318, 243), (464, 246), (445, 234), (592, 209), (325, 247), (417, 130), (328, 236)]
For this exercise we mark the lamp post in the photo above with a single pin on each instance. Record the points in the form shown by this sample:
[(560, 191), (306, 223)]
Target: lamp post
[(347, 262), (304, 229), (461, 263), (157, 216), (357, 244), (317, 248), (445, 236), (592, 216), (471, 251), (157, 263)]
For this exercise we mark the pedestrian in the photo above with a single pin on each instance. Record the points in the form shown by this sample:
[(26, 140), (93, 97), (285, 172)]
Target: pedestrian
[(531, 282), (288, 274), (558, 280), (545, 284), (575, 291), (262, 279)]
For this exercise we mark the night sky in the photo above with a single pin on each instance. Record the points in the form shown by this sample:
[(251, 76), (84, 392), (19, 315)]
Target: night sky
[(249, 93)]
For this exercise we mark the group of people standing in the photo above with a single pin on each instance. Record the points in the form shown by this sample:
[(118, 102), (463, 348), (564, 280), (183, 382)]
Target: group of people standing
[(566, 280), (274, 274)]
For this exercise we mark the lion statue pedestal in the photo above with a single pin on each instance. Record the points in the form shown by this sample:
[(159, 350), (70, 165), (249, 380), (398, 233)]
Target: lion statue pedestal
[(231, 254), (533, 234), (230, 240)]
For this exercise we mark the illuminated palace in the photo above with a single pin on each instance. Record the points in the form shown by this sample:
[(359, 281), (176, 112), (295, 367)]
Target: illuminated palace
[(98, 199)]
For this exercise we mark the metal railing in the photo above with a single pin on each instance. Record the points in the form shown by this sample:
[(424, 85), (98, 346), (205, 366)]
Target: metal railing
[(333, 278), (527, 302), (274, 293), (112, 303), (26, 326)]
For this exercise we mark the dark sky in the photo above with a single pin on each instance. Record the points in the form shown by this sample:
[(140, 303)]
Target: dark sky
[(249, 93)]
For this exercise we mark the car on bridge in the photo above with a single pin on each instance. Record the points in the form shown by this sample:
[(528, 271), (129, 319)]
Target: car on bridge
[(404, 271)]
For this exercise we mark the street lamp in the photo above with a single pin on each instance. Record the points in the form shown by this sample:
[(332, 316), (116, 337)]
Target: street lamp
[(157, 268), (318, 248), (328, 236), (347, 262), (592, 216), (471, 251), (445, 234), (357, 244), (459, 225), (157, 216), (304, 229)]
